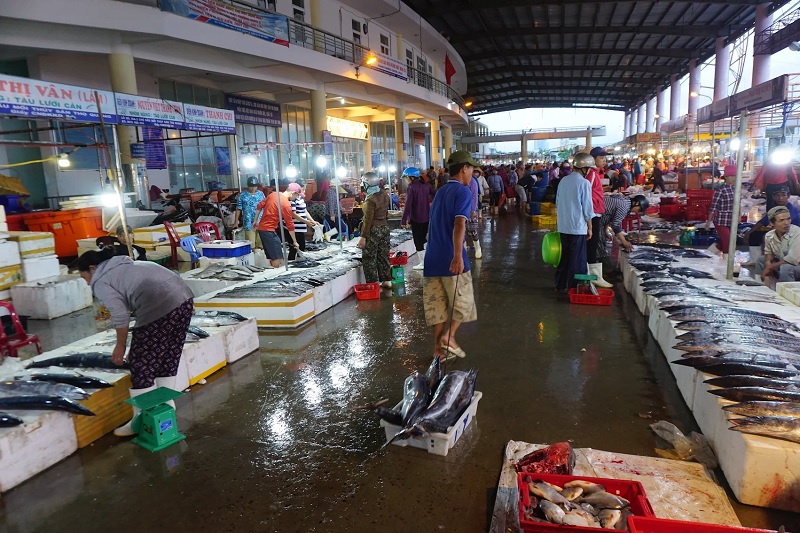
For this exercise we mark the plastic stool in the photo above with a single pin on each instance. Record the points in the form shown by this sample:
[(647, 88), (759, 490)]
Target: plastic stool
[(627, 222)]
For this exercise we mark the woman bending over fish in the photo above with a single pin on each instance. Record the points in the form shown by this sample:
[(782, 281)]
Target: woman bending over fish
[(161, 303)]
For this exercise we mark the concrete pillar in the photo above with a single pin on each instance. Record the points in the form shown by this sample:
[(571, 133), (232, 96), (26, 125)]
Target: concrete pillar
[(316, 21), (694, 87), (642, 126), (319, 113), (367, 153), (123, 79), (400, 52), (448, 142), (401, 142), (721, 69), (436, 151), (650, 113), (626, 126), (661, 109), (761, 62), (635, 121), (588, 139), (674, 97), (523, 148)]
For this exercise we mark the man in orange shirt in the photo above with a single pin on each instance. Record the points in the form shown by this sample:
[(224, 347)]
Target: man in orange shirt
[(267, 228)]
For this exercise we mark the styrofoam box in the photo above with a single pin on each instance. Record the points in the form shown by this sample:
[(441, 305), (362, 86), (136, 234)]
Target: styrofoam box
[(45, 438), (248, 259), (239, 339), (183, 256), (10, 276), (3, 226), (34, 243), (2, 213), (203, 358), (51, 297), (36, 268), (437, 443), (289, 312), (153, 235), (9, 254)]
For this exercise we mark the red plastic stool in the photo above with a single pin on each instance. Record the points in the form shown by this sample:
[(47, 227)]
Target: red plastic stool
[(10, 344), (174, 241), (627, 222)]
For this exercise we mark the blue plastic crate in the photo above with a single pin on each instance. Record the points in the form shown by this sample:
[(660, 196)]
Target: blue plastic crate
[(704, 240), (229, 249), (536, 208)]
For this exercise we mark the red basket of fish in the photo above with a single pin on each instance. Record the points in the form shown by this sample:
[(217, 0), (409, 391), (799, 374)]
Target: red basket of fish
[(367, 291), (573, 504), (640, 524), (398, 258), (603, 297)]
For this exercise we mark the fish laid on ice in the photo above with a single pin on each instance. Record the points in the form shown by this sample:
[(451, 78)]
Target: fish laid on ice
[(85, 360), (210, 271), (687, 272), (727, 382), (752, 394), (762, 408), (769, 426), (38, 388), (212, 321), (43, 403), (201, 333), (9, 421), (741, 368), (85, 382)]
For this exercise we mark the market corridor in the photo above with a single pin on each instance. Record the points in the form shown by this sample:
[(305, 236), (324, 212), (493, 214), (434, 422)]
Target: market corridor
[(276, 442)]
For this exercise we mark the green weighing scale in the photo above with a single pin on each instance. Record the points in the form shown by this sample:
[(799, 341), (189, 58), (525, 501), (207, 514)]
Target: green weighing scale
[(155, 426), (586, 286)]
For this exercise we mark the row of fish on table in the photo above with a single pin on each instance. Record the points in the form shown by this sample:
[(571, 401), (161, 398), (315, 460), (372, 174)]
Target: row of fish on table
[(432, 402), (754, 355), (41, 390)]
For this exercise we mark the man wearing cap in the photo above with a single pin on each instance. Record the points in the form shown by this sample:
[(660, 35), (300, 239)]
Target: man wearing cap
[(781, 248), (755, 235), (302, 219), (575, 212), (595, 177), (447, 281), (246, 207)]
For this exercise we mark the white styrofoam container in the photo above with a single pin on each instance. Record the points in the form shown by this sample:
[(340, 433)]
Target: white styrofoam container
[(9, 254), (36, 268), (10, 276), (2, 213), (3, 226), (154, 235), (45, 438), (437, 443), (51, 297), (34, 243), (239, 339), (247, 259), (203, 358), (289, 312)]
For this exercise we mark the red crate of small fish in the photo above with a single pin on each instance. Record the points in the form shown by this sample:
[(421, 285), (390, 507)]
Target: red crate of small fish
[(398, 258), (367, 291), (639, 524), (574, 504)]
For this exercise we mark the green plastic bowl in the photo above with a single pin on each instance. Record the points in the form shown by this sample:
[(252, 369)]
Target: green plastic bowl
[(551, 248)]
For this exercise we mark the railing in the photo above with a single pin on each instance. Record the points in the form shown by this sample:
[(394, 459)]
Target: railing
[(526, 132), (423, 79), (763, 41)]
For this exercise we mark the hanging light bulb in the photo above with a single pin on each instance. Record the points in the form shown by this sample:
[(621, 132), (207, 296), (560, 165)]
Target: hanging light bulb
[(249, 162), (341, 172), (322, 161), (63, 161), (735, 143), (392, 168), (291, 171), (382, 168)]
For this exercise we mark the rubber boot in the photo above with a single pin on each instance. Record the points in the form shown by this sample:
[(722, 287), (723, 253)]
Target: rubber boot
[(168, 382), (713, 249), (386, 284), (421, 264), (127, 430), (478, 252), (596, 269), (755, 254)]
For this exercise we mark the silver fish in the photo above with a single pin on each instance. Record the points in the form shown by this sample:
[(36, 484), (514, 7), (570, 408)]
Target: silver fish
[(546, 491), (747, 394), (587, 486), (604, 500), (762, 408), (574, 519), (769, 426), (609, 518), (552, 512), (571, 493), (15, 387)]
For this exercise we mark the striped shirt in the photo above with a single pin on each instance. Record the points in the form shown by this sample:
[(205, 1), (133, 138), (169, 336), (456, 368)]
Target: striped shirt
[(299, 208), (617, 208), (722, 206)]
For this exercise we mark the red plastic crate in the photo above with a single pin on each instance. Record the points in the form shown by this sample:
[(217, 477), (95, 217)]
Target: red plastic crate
[(671, 212), (700, 194), (639, 524), (398, 258), (669, 200), (696, 213), (603, 297), (630, 490), (367, 291)]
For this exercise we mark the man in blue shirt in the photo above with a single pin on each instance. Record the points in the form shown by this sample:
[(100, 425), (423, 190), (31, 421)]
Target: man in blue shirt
[(246, 211), (447, 281), (575, 213)]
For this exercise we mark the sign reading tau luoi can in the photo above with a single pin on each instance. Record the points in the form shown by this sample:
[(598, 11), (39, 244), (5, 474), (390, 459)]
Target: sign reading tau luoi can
[(24, 97), (201, 118), (142, 111)]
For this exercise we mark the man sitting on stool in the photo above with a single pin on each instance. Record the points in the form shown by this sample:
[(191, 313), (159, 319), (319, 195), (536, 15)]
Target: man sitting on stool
[(781, 248), (755, 235)]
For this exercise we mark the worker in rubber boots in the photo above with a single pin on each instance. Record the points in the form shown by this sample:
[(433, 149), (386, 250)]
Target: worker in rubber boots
[(575, 214)]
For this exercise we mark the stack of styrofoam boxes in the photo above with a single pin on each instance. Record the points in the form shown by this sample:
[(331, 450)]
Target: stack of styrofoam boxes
[(37, 249), (790, 291), (3, 223), (51, 298), (154, 238), (10, 265), (227, 252)]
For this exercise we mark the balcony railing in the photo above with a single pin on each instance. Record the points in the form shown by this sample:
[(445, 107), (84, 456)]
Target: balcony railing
[(423, 79)]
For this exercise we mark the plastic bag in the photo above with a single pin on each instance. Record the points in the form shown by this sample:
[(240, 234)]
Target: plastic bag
[(695, 446), (317, 234)]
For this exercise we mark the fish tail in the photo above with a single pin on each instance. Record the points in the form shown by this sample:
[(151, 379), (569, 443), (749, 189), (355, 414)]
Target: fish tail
[(403, 434)]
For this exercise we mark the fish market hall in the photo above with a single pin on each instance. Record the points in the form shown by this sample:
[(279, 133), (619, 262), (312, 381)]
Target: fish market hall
[(346, 266)]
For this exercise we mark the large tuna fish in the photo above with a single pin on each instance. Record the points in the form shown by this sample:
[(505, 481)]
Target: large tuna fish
[(44, 403), (84, 360)]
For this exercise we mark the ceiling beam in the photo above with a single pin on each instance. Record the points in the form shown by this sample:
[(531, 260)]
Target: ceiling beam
[(524, 104), (449, 6), (672, 53), (639, 82), (664, 70)]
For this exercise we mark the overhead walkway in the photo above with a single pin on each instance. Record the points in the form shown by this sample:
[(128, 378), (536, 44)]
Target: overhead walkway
[(534, 135)]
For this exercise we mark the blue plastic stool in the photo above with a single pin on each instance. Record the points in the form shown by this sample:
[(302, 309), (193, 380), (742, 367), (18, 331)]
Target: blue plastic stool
[(189, 245)]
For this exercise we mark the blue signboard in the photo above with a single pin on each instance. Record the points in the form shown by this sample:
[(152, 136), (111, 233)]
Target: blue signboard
[(270, 27), (252, 111), (25, 97), (155, 152)]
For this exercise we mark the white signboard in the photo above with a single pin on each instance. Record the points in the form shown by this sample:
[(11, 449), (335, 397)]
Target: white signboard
[(201, 118), (340, 127), (391, 66), (24, 97), (142, 111)]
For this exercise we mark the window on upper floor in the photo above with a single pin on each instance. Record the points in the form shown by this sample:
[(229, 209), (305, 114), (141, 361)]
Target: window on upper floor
[(299, 10), (385, 48)]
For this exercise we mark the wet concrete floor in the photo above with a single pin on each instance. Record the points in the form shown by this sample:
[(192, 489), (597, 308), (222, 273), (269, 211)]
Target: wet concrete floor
[(276, 441)]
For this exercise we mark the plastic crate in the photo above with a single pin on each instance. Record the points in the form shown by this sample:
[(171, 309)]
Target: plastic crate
[(696, 213), (398, 274), (224, 248), (548, 208), (13, 202), (642, 524), (700, 194), (545, 222), (669, 200), (367, 291), (633, 491), (671, 212), (603, 297), (398, 258), (68, 226), (437, 443), (704, 240)]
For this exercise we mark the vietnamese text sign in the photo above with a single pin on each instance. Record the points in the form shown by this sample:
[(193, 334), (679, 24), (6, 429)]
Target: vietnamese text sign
[(762, 95), (201, 118), (713, 112), (340, 127), (155, 152), (142, 111), (391, 66), (252, 111), (648, 137), (24, 97), (270, 27)]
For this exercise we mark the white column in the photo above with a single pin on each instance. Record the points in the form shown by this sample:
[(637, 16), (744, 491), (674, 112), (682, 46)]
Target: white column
[(694, 87), (674, 97), (448, 142), (626, 125), (761, 62), (318, 124), (523, 148), (436, 152), (588, 139), (721, 69), (635, 121), (401, 142), (642, 126), (649, 124), (661, 108)]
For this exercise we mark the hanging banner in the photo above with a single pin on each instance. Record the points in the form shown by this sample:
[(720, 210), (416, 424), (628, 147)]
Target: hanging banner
[(762, 95), (713, 112), (648, 137), (253, 111), (222, 154), (142, 111), (677, 124), (272, 28), (201, 118), (340, 127), (155, 152), (24, 97), (137, 152), (391, 66)]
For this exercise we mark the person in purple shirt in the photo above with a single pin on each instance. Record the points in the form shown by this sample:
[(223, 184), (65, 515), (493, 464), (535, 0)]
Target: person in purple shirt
[(417, 211), (472, 224), (755, 236)]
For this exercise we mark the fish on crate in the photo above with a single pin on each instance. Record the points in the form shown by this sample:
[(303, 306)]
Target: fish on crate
[(39, 388), (764, 408), (768, 426), (77, 380), (85, 360), (43, 403)]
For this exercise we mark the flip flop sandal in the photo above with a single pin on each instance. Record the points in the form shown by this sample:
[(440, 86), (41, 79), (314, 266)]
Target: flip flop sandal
[(449, 357), (458, 352)]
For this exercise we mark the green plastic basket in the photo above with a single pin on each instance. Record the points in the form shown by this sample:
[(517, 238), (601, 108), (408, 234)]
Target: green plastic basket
[(551, 248)]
